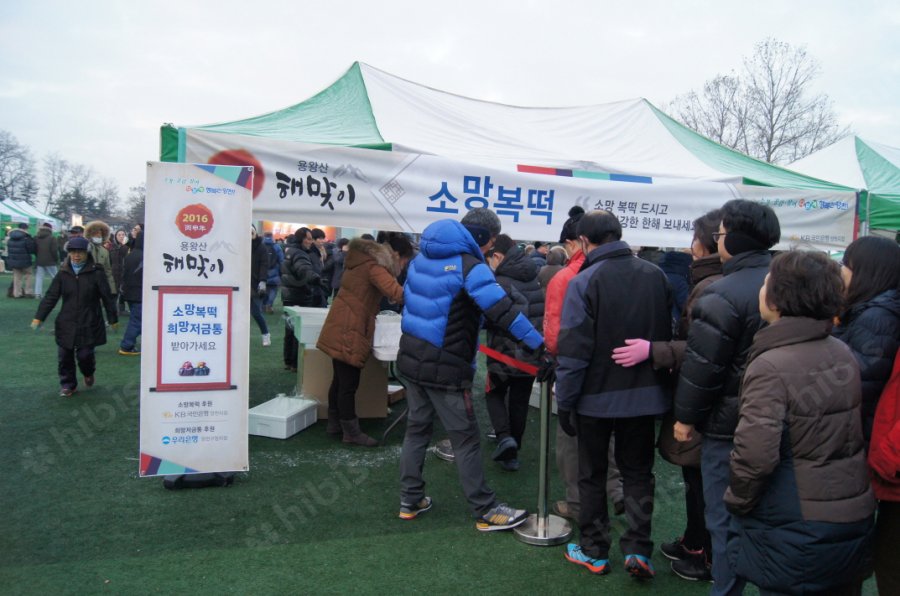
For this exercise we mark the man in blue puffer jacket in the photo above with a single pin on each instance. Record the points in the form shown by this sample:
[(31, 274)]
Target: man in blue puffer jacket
[(449, 289)]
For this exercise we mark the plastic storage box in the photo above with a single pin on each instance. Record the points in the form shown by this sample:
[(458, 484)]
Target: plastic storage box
[(282, 416), (307, 323)]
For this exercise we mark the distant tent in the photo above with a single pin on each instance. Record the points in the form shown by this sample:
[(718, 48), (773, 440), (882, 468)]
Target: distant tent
[(35, 214), (9, 214), (864, 165)]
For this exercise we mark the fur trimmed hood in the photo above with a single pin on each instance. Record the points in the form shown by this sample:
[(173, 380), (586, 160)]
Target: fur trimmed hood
[(92, 228), (360, 250)]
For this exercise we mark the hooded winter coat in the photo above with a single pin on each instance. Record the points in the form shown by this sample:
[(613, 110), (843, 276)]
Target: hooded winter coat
[(47, 249), (872, 331), (20, 249), (448, 289), (79, 323), (517, 274), (349, 328), (799, 488), (99, 252)]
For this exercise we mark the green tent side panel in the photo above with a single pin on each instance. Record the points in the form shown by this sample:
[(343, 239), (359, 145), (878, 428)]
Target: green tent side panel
[(168, 143), (883, 181), (338, 115), (729, 161)]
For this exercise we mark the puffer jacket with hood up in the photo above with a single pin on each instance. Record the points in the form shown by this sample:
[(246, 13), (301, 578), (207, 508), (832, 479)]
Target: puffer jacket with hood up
[(448, 290)]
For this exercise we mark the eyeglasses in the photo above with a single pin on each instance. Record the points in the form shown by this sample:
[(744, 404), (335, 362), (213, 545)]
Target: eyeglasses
[(717, 235)]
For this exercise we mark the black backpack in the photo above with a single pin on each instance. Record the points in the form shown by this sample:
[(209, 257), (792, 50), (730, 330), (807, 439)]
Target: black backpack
[(273, 256)]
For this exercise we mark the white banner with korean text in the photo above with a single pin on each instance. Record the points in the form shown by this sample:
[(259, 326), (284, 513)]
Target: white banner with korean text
[(395, 190), (196, 313)]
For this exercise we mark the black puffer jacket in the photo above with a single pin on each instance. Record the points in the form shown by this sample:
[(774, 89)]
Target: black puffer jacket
[(723, 322), (132, 288), (20, 248), (299, 281), (517, 274), (259, 263), (872, 330), (80, 320)]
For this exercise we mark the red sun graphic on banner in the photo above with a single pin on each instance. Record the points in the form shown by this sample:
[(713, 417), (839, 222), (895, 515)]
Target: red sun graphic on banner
[(194, 220), (241, 157)]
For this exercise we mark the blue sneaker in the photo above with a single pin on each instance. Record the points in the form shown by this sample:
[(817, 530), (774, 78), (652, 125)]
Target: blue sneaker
[(639, 566), (575, 555)]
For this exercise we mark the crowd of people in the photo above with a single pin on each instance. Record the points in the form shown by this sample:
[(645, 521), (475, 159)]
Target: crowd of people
[(770, 378)]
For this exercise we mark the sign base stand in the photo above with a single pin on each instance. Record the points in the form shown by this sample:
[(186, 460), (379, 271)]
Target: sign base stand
[(548, 531)]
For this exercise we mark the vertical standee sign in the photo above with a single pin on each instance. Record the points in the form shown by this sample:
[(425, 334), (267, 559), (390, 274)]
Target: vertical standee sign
[(196, 315)]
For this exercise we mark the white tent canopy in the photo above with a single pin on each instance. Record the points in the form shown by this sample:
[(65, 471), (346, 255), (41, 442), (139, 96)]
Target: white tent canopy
[(444, 149)]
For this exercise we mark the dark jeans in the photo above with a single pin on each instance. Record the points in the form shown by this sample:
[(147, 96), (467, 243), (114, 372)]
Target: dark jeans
[(256, 313), (887, 547), (133, 331), (634, 453), (271, 294), (509, 418), (716, 472), (454, 408), (67, 358), (695, 535), (342, 393)]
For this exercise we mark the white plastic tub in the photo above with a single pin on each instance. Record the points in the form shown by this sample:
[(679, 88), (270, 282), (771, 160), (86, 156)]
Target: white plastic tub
[(282, 417)]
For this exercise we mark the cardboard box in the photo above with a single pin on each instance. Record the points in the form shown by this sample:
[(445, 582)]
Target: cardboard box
[(282, 417), (371, 397), (396, 393)]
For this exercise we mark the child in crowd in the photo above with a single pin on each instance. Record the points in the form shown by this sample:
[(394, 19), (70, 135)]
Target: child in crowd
[(79, 328)]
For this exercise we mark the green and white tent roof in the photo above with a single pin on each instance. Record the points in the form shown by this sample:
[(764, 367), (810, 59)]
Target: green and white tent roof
[(9, 212), (863, 165), (368, 107)]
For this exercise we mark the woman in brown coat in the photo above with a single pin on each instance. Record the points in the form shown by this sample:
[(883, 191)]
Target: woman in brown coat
[(370, 272)]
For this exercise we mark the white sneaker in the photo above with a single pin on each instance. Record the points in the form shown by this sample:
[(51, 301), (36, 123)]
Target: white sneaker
[(267, 339)]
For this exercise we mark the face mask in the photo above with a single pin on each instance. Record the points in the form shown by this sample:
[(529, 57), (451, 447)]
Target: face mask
[(96, 240)]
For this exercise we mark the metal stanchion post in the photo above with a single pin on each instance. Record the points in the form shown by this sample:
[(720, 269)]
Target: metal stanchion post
[(543, 529)]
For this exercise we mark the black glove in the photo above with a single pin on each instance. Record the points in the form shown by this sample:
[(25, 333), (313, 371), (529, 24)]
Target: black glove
[(565, 422), (546, 369)]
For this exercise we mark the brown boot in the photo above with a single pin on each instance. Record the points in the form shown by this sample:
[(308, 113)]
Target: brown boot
[(352, 434), (334, 425)]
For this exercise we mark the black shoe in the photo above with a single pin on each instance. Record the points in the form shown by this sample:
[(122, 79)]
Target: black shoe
[(506, 449), (619, 507), (492, 434), (675, 550), (694, 568)]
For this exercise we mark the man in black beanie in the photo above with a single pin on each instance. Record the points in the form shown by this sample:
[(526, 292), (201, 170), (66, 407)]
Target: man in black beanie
[(725, 319)]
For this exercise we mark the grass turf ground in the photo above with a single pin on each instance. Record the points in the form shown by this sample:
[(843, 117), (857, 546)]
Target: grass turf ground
[(311, 515)]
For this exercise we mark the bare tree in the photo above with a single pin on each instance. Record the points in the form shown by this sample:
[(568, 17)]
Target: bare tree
[(137, 198), (17, 171), (107, 197), (56, 175), (768, 110)]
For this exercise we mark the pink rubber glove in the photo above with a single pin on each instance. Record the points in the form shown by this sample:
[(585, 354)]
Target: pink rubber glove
[(633, 352)]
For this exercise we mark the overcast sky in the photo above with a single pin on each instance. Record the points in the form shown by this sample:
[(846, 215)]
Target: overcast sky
[(93, 80)]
